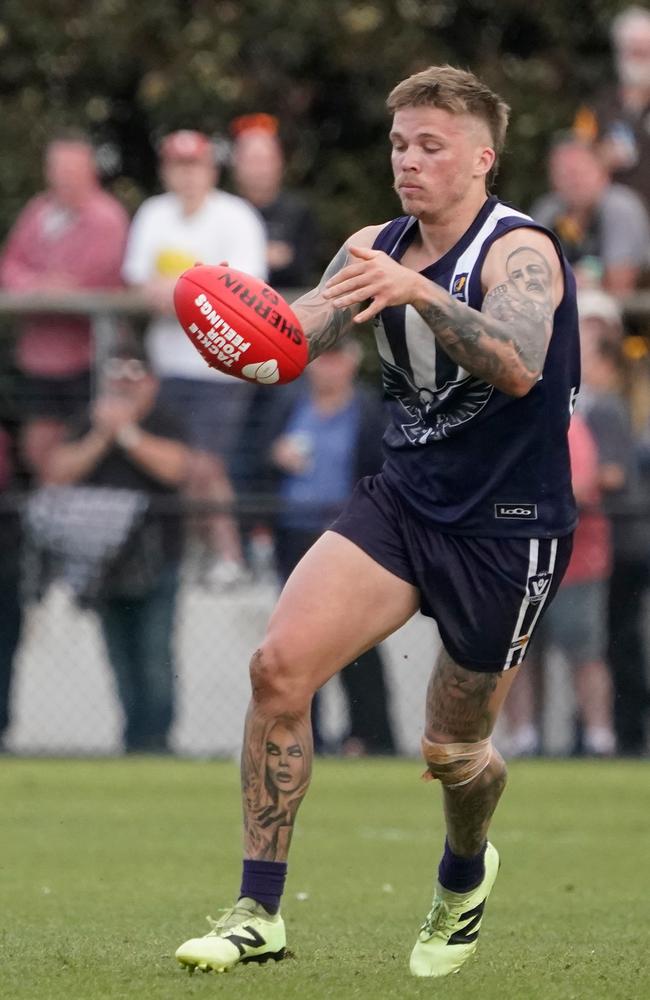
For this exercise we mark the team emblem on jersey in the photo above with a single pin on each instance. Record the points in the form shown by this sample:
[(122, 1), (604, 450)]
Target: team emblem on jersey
[(435, 413), (459, 286)]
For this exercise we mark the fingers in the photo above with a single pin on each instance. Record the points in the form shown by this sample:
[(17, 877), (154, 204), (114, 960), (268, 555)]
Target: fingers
[(375, 307), (363, 253), (348, 287), (345, 274)]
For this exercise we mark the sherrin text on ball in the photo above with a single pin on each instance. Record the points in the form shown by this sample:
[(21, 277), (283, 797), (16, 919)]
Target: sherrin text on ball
[(240, 325)]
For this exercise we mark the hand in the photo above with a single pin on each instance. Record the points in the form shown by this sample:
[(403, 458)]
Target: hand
[(371, 275), (278, 254), (159, 294), (111, 413), (290, 454)]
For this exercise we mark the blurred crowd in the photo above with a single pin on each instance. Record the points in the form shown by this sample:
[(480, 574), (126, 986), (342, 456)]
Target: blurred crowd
[(133, 459)]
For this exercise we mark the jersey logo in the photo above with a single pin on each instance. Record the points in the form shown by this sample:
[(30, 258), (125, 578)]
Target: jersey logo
[(459, 286), (538, 586), (435, 413), (516, 511)]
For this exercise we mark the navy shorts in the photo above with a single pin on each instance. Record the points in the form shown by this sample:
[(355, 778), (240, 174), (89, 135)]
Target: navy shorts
[(486, 595)]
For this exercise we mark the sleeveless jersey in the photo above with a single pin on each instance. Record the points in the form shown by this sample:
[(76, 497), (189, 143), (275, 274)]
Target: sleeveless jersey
[(461, 453)]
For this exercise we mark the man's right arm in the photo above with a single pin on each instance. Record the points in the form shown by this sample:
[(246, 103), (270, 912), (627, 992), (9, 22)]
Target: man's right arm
[(322, 323)]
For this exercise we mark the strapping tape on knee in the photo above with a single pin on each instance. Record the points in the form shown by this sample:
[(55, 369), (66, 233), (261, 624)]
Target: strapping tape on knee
[(455, 764)]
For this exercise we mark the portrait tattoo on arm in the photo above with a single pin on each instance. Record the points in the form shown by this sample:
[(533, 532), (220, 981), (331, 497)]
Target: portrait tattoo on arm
[(275, 771), (506, 342), (322, 322)]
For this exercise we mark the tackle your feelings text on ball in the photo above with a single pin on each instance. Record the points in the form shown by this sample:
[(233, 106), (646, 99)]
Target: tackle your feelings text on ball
[(240, 325)]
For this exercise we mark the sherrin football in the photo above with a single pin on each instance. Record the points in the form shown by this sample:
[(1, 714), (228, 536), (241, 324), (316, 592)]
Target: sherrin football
[(240, 325)]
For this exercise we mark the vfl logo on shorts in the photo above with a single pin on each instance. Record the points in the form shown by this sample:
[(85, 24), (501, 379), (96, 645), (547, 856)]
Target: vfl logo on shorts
[(538, 587), (516, 511)]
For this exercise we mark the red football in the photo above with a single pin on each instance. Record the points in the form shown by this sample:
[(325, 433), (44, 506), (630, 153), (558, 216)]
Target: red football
[(240, 325)]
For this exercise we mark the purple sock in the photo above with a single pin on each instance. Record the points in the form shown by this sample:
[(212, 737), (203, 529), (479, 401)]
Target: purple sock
[(263, 881), (461, 874)]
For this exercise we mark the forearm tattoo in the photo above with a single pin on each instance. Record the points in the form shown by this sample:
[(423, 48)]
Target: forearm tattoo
[(322, 322), (275, 771), (507, 340), (459, 708)]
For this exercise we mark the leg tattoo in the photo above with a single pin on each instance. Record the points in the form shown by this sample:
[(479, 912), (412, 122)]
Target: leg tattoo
[(462, 706), (275, 772)]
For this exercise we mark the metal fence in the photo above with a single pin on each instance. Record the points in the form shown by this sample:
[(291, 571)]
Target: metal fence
[(64, 698)]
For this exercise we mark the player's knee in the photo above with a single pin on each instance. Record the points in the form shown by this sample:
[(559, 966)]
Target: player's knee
[(458, 764), (277, 683)]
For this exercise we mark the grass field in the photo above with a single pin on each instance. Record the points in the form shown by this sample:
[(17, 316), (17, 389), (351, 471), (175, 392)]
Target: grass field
[(106, 866)]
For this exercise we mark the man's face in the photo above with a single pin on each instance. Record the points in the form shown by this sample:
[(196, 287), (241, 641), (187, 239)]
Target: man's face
[(633, 56), (70, 172), (257, 162), (529, 272), (436, 158), (577, 176), (190, 180), (335, 370), (129, 379)]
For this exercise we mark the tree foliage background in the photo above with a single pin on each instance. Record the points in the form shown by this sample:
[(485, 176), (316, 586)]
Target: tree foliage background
[(130, 71)]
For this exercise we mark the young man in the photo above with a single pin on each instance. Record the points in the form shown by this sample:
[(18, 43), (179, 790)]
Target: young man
[(470, 519)]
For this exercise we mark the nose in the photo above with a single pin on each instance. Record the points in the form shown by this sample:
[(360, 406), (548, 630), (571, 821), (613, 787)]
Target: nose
[(410, 159)]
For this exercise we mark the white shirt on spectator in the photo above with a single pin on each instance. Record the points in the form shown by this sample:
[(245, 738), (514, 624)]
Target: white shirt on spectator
[(163, 242)]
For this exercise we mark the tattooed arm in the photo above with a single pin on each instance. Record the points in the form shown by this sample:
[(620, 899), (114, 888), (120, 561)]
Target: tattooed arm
[(322, 322), (504, 344)]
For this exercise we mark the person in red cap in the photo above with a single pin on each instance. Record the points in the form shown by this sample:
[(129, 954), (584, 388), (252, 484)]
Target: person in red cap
[(192, 221)]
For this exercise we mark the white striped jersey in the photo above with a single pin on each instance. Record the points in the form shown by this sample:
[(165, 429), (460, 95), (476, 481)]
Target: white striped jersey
[(460, 452)]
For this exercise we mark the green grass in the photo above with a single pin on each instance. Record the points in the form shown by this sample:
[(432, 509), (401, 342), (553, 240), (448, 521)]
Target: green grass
[(106, 866)]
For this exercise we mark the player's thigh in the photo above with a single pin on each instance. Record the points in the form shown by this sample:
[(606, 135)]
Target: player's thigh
[(462, 704), (337, 603)]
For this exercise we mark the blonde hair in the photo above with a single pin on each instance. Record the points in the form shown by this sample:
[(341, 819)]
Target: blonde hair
[(458, 92)]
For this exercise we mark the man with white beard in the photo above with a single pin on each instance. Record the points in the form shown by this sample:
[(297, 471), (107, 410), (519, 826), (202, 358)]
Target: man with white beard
[(618, 118)]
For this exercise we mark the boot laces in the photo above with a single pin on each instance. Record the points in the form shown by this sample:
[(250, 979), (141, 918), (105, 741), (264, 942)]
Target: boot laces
[(439, 920), (233, 916)]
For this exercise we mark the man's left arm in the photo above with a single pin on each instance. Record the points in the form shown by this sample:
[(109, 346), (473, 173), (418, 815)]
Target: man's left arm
[(505, 343)]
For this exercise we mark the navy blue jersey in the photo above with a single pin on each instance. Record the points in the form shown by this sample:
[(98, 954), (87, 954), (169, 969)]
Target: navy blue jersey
[(462, 454)]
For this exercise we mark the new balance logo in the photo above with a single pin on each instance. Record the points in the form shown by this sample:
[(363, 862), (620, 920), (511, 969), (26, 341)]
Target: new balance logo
[(516, 511), (469, 932), (538, 587), (241, 943)]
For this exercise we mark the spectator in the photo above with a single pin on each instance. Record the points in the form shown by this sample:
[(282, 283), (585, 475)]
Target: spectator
[(618, 118), (194, 221), (133, 442), (575, 622), (69, 238), (604, 407), (258, 172), (600, 224), (315, 439), (10, 608)]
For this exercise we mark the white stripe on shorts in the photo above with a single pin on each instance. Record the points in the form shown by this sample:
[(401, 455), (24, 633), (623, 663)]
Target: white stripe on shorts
[(519, 648), (533, 556)]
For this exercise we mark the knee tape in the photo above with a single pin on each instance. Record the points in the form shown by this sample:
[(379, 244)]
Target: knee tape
[(456, 764)]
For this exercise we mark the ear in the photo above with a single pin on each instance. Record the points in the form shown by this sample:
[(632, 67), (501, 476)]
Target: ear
[(484, 161)]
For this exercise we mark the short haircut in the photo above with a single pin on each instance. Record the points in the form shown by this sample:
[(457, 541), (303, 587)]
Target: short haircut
[(71, 136), (626, 24), (458, 92)]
